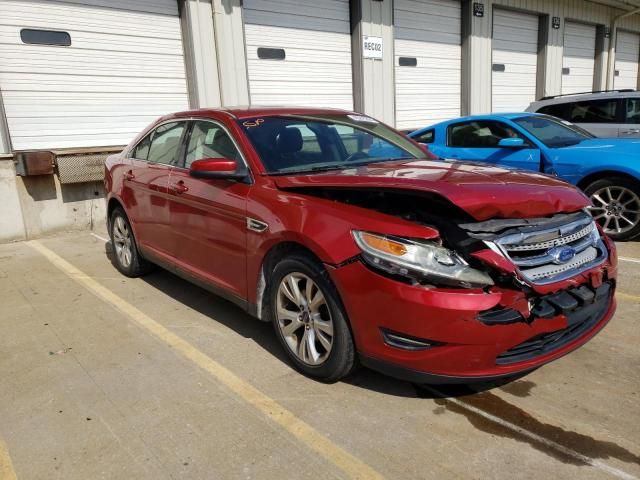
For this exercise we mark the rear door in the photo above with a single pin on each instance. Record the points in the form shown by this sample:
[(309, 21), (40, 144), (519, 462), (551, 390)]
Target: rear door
[(208, 216), (631, 127), (146, 185), (478, 141)]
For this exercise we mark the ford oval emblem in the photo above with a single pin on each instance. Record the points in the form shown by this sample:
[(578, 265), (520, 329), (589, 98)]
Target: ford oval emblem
[(562, 254)]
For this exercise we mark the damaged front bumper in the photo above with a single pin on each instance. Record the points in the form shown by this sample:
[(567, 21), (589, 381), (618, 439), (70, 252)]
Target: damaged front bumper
[(439, 335)]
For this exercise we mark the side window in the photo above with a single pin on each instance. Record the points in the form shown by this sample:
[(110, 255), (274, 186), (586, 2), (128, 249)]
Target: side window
[(165, 143), (141, 151), (209, 140), (480, 134), (559, 110), (633, 111), (427, 137), (595, 111)]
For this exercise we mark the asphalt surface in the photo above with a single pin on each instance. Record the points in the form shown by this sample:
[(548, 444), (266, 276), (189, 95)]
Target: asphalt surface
[(108, 377)]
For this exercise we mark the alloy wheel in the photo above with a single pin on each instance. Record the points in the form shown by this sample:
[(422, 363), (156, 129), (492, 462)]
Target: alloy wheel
[(617, 209), (122, 242), (304, 318)]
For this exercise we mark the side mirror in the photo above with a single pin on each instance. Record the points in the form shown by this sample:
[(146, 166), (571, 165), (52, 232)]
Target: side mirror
[(511, 143), (217, 168)]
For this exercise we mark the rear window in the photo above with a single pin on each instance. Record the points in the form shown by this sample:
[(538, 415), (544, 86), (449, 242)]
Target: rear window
[(633, 111), (557, 110), (427, 137), (594, 111)]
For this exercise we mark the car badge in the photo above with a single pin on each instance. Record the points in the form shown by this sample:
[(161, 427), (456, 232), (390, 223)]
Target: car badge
[(562, 255)]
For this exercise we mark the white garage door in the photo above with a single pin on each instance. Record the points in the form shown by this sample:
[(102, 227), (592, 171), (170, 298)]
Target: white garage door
[(299, 52), (627, 58), (515, 58), (123, 68), (578, 63), (427, 61)]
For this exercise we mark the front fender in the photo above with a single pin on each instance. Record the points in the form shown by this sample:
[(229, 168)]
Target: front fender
[(322, 226)]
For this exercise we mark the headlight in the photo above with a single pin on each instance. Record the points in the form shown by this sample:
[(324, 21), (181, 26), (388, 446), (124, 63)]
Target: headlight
[(418, 260)]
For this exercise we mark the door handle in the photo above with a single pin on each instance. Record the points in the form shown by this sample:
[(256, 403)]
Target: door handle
[(634, 131), (129, 175), (180, 188)]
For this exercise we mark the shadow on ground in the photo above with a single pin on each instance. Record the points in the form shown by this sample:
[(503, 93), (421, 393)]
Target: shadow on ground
[(236, 319), (476, 403)]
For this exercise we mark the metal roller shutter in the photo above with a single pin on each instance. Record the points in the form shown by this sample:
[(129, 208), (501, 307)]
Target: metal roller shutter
[(515, 60), (427, 61), (124, 68), (578, 63), (627, 58), (305, 47)]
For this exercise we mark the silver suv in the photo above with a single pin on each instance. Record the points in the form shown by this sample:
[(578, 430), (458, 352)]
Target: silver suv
[(614, 113)]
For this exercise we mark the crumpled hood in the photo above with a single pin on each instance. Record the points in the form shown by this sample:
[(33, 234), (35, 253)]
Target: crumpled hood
[(484, 192)]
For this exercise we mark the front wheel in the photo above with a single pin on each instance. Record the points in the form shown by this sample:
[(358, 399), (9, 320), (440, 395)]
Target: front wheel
[(616, 206), (309, 319)]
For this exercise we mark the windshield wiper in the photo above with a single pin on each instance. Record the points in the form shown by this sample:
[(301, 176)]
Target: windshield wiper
[(341, 166)]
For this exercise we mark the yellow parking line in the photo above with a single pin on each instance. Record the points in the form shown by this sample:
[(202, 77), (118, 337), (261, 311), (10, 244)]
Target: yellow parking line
[(6, 467), (304, 432), (628, 297)]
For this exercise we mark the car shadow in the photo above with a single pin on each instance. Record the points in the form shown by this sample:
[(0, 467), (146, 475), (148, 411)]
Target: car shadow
[(261, 333)]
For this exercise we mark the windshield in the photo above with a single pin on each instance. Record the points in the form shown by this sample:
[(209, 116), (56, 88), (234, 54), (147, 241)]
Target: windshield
[(293, 143), (552, 131)]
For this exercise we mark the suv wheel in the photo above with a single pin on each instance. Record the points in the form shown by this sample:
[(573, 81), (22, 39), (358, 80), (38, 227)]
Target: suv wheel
[(309, 319), (616, 206), (127, 259)]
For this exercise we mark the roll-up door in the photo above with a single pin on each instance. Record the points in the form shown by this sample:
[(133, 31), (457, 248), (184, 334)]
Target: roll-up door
[(88, 73), (427, 61), (514, 60), (578, 62), (299, 52), (627, 58)]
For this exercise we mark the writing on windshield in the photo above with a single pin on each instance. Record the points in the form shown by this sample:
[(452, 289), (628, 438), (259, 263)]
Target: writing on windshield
[(292, 143)]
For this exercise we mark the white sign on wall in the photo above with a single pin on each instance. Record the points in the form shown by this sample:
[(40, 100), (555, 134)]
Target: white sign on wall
[(372, 47)]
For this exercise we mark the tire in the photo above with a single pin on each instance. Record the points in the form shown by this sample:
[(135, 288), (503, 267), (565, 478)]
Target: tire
[(315, 324), (616, 206), (126, 257)]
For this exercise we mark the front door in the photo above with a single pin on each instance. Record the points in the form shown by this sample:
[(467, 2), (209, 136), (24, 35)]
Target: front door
[(478, 141), (208, 216)]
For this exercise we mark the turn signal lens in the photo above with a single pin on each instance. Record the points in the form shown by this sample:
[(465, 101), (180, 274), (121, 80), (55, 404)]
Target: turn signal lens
[(383, 244)]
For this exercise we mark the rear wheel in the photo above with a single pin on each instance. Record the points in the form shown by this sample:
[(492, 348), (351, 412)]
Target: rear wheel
[(616, 206), (309, 319), (127, 259)]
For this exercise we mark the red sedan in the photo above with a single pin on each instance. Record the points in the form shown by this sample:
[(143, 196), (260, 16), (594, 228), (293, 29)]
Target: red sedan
[(359, 246)]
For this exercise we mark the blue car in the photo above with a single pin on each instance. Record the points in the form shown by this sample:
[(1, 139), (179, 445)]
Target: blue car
[(606, 169)]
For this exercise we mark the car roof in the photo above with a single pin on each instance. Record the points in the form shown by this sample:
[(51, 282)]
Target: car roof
[(578, 97), (250, 111), (471, 118)]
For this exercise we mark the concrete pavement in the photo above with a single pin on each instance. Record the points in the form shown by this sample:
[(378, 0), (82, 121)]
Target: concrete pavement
[(89, 392)]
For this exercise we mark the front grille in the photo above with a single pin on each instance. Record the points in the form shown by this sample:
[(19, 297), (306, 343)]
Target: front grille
[(582, 316), (537, 252)]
